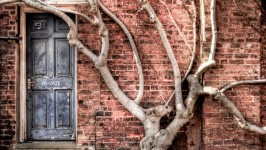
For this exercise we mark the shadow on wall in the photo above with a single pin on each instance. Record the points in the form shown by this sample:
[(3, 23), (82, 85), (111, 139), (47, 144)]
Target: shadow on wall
[(7, 127), (263, 72), (7, 95)]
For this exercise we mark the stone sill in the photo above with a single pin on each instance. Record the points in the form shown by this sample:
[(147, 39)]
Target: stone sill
[(47, 145)]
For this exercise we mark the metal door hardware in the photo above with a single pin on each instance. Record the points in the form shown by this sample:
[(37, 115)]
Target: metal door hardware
[(30, 83)]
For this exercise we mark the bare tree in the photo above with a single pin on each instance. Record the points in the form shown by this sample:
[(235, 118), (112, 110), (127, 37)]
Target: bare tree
[(155, 138)]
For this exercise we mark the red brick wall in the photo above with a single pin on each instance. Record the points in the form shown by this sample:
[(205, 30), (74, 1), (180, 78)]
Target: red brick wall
[(115, 127), (238, 58), (263, 72), (103, 122), (8, 18)]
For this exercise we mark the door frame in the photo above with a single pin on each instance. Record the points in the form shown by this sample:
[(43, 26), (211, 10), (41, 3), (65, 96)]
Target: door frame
[(21, 102)]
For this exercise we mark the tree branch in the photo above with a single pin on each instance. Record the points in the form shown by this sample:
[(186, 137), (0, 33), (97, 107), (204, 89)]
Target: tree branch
[(219, 95), (204, 67), (2, 2), (72, 35), (214, 30), (163, 139), (238, 116), (134, 49), (177, 76), (177, 27), (103, 33), (211, 62), (202, 20), (130, 105), (83, 49), (192, 59), (94, 22), (101, 65), (202, 28), (233, 84), (152, 119)]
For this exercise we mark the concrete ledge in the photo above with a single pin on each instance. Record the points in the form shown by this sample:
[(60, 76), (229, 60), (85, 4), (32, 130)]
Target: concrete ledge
[(47, 145)]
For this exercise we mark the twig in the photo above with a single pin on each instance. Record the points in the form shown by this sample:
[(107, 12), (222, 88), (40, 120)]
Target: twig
[(168, 101), (194, 41), (177, 27)]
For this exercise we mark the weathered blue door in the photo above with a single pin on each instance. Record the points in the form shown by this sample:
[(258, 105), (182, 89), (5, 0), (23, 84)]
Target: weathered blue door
[(50, 79)]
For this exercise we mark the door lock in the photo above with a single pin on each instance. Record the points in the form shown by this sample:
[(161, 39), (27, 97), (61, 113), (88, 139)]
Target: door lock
[(30, 83)]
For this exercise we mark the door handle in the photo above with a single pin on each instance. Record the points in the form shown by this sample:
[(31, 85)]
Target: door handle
[(30, 83)]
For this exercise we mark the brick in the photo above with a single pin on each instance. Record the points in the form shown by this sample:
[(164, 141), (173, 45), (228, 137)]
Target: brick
[(238, 58)]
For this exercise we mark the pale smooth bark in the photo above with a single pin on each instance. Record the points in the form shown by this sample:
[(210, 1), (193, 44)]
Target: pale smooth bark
[(192, 59), (211, 61), (230, 106), (2, 2), (177, 27), (134, 49), (238, 116), (177, 76), (245, 82), (214, 30), (155, 138), (94, 22), (202, 20)]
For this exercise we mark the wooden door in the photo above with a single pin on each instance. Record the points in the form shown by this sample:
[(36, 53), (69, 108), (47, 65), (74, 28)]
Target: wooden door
[(50, 79)]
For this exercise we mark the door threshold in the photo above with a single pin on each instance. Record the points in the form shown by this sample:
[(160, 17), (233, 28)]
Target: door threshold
[(47, 145)]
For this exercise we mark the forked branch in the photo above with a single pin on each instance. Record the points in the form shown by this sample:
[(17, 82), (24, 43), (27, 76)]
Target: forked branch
[(155, 137)]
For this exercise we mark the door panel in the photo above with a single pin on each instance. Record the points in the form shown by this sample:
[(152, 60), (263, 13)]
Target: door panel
[(40, 104), (60, 26), (63, 111), (50, 76), (39, 48), (63, 58)]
